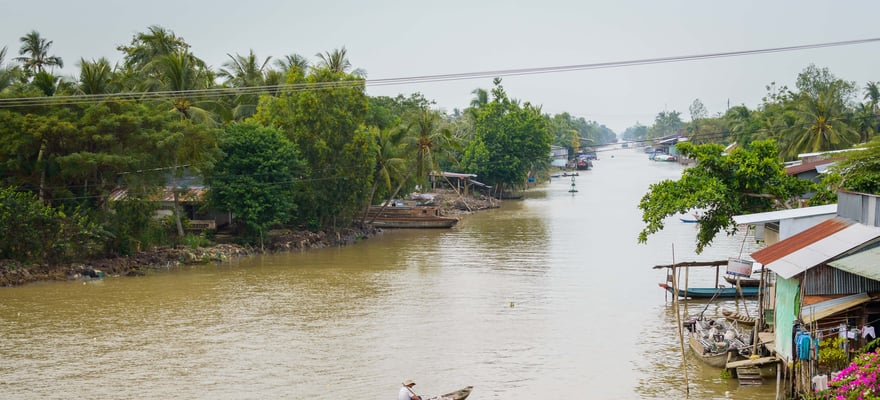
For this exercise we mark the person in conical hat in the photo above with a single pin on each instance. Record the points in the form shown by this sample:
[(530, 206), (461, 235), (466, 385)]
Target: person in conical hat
[(406, 391)]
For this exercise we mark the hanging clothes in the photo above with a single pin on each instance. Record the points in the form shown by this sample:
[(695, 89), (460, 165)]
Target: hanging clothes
[(820, 382), (868, 330), (804, 346)]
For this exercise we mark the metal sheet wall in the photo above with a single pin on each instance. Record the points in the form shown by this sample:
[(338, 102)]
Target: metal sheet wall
[(825, 280)]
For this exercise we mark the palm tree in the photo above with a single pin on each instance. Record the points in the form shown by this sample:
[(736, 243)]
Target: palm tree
[(291, 61), (8, 74), (95, 77), (244, 71), (865, 121), (390, 165), (241, 72), (820, 125), (337, 61), (429, 141), (146, 46), (181, 73), (35, 53)]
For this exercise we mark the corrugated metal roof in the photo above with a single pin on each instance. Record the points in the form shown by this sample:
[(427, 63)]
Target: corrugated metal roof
[(827, 308), (810, 166), (803, 239), (814, 246), (863, 263), (773, 216)]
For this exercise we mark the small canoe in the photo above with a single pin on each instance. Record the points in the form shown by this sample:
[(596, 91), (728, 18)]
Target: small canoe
[(456, 395), (709, 292), (689, 221), (744, 282)]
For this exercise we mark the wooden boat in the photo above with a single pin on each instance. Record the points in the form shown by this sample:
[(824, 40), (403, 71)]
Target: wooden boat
[(409, 217), (716, 342), (743, 282), (738, 317), (710, 292), (460, 394)]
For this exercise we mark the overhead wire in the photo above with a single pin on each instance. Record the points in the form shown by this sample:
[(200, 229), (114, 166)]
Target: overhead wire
[(357, 83)]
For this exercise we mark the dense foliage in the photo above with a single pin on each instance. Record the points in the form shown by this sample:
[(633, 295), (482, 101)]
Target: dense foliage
[(278, 142), (747, 180)]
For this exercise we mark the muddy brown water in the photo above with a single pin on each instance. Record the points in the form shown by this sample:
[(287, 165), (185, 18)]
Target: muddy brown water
[(548, 297)]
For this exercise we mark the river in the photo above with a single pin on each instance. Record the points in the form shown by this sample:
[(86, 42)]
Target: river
[(547, 297)]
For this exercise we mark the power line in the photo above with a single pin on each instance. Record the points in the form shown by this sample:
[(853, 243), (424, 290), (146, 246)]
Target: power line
[(357, 83)]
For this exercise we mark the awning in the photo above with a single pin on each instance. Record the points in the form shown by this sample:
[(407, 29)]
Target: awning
[(828, 308), (863, 263), (774, 216)]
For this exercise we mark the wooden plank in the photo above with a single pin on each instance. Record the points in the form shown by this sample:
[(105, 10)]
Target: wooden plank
[(752, 362), (768, 339), (693, 264)]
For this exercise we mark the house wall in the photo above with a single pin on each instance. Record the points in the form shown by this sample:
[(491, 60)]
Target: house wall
[(861, 207), (825, 280), (786, 312), (792, 226)]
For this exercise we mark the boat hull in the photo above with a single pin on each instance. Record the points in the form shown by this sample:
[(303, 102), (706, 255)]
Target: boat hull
[(708, 293), (460, 394), (415, 223)]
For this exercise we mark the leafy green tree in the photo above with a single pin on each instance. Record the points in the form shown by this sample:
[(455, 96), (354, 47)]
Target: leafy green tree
[(666, 123), (745, 181), (35, 53), (257, 177), (860, 170), (509, 140), (327, 124), (637, 133)]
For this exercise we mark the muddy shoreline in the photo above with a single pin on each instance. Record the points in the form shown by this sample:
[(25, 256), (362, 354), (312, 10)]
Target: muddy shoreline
[(13, 273)]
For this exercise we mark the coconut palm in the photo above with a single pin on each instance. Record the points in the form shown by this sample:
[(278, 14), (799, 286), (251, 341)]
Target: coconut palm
[(8, 74), (291, 61), (181, 73), (95, 77), (146, 46), (820, 125), (865, 121), (390, 163), (34, 53), (337, 61), (429, 141), (242, 72)]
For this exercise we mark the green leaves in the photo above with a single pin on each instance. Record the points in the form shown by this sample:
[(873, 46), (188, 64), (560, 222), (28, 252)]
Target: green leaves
[(745, 181)]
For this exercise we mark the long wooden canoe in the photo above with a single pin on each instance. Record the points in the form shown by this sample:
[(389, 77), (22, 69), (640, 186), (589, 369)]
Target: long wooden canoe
[(456, 395), (709, 292)]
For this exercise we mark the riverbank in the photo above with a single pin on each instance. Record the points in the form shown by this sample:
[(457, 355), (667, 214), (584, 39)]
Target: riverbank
[(13, 273)]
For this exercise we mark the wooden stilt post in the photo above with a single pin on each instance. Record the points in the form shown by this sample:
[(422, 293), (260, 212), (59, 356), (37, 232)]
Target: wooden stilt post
[(687, 389)]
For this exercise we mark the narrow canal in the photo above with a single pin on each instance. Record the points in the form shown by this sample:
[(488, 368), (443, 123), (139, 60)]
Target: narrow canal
[(548, 297)]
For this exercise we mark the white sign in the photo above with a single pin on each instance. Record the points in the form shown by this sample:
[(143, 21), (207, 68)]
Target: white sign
[(739, 267)]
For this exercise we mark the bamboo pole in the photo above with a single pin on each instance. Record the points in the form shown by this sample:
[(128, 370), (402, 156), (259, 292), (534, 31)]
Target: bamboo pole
[(687, 389)]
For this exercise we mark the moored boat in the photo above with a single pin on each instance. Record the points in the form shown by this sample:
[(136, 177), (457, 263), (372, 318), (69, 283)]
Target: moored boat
[(716, 342), (710, 292), (743, 282), (409, 217)]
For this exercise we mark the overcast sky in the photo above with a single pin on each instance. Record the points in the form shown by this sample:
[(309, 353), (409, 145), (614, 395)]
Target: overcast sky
[(393, 39)]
